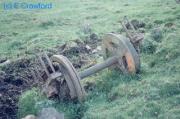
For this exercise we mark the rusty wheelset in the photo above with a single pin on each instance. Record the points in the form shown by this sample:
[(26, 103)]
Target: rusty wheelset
[(119, 53)]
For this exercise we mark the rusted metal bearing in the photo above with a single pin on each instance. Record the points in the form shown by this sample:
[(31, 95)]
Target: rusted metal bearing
[(114, 45)]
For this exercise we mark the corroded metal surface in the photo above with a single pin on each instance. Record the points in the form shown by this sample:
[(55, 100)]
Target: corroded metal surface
[(71, 77), (121, 47), (98, 67)]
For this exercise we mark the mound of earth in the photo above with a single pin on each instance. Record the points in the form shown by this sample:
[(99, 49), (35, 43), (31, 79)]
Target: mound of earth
[(14, 79), (80, 52), (17, 76)]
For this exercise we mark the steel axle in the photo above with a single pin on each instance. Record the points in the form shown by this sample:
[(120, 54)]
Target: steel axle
[(98, 67), (119, 53)]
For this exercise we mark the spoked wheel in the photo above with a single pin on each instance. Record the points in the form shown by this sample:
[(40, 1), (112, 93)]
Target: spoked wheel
[(71, 77), (121, 47)]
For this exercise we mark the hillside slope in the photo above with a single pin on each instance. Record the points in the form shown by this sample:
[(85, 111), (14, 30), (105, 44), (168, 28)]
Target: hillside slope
[(154, 93)]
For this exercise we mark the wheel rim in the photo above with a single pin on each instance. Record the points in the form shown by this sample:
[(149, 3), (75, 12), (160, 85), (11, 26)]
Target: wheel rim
[(71, 77), (120, 46)]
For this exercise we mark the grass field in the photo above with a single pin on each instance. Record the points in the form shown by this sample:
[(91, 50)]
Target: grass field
[(154, 93)]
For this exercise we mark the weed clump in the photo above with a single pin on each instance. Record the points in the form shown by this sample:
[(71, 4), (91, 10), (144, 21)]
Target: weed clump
[(46, 24), (158, 22), (148, 45), (157, 34), (27, 103)]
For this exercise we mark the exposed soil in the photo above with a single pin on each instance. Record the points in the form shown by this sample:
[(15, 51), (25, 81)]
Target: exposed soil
[(81, 52), (17, 76)]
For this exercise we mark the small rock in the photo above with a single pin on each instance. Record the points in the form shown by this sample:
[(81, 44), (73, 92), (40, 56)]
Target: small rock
[(94, 51), (50, 113), (99, 48), (30, 117), (88, 47), (73, 44), (2, 60), (5, 63)]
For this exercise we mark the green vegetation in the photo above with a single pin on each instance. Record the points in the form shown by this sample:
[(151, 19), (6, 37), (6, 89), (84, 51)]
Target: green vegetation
[(154, 93), (32, 101), (28, 102)]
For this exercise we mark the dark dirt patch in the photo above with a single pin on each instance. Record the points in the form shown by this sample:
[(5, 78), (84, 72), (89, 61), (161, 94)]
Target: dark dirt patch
[(81, 53), (17, 76), (8, 98)]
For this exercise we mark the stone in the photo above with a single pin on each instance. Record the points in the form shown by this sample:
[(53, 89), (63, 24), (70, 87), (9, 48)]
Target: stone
[(2, 60), (5, 63), (30, 117), (88, 47), (99, 48), (94, 51), (50, 113)]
